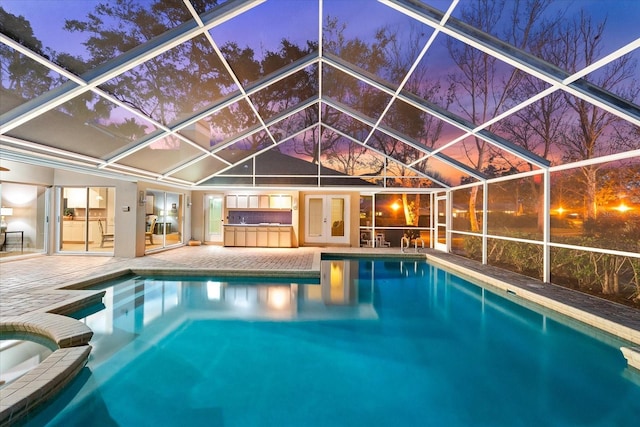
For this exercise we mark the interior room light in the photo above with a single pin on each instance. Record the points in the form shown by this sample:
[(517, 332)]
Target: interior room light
[(4, 212)]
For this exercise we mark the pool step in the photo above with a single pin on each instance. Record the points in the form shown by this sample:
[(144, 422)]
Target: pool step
[(632, 354)]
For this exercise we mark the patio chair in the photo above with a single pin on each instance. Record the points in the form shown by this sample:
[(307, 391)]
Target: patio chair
[(366, 239), (104, 237), (151, 223), (337, 228), (381, 241)]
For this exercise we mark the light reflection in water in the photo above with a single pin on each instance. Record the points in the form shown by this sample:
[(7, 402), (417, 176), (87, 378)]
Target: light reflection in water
[(139, 305)]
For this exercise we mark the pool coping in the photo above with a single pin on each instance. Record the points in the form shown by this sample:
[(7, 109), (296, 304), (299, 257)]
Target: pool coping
[(71, 338), (70, 335)]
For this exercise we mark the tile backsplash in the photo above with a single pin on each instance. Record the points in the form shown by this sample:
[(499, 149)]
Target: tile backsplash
[(259, 217)]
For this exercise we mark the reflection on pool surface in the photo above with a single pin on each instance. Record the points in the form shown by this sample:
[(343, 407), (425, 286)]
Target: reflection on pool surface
[(377, 343)]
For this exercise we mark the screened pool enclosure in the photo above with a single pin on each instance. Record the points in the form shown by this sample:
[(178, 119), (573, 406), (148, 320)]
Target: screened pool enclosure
[(504, 131)]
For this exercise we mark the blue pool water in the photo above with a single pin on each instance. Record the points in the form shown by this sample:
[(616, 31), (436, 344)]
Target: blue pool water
[(378, 343)]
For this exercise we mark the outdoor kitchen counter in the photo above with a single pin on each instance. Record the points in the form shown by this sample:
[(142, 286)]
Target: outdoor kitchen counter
[(267, 235)]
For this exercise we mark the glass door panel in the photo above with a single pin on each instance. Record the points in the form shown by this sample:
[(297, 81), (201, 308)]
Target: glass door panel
[(100, 219), (337, 216), (441, 219), (164, 219), (315, 227), (214, 218), (87, 219)]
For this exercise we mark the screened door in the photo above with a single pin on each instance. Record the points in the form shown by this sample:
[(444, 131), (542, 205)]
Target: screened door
[(441, 221)]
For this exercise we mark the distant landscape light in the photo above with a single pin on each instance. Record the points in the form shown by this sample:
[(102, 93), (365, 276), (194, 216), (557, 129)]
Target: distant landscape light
[(622, 208)]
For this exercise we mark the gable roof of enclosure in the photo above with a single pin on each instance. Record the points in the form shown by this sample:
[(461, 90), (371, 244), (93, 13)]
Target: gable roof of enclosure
[(182, 101)]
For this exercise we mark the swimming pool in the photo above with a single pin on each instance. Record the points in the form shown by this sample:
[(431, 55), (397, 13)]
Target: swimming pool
[(377, 342)]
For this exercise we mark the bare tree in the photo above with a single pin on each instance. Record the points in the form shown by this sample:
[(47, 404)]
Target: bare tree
[(423, 127), (593, 132), (538, 126), (488, 89)]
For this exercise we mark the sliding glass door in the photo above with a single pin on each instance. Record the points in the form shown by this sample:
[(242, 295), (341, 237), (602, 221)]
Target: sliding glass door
[(86, 219), (164, 219), (23, 219)]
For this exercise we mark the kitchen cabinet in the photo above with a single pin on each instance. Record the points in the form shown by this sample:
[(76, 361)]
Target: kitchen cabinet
[(98, 198), (232, 202), (280, 202), (229, 236), (236, 236), (251, 238), (263, 201), (262, 236), (284, 237), (254, 201), (76, 197), (259, 201), (258, 236), (240, 236), (274, 237), (73, 231), (243, 201)]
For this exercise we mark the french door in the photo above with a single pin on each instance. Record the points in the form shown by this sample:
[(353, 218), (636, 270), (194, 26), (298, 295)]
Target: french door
[(327, 219)]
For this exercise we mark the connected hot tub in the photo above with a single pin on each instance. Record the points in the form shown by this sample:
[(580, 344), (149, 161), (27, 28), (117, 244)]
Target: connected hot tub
[(44, 352)]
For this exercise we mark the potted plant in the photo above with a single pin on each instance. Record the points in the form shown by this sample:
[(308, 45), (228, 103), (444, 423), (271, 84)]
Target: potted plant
[(68, 213)]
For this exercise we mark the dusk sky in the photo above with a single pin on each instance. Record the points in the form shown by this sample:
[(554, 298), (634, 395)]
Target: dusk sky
[(266, 25), (300, 23)]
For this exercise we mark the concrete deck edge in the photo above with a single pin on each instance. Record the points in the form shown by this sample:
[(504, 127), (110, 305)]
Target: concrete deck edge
[(221, 272), (96, 278), (613, 328), (632, 354)]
